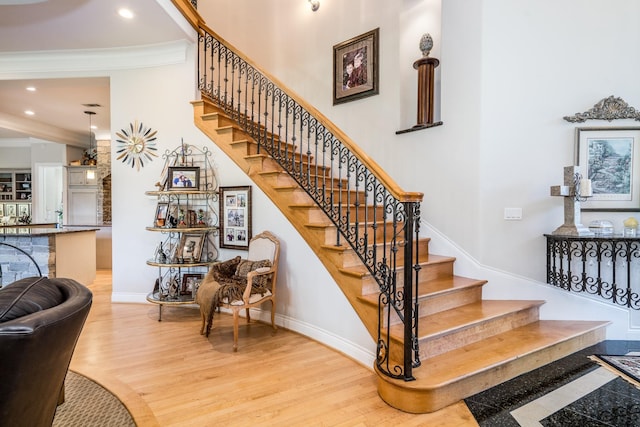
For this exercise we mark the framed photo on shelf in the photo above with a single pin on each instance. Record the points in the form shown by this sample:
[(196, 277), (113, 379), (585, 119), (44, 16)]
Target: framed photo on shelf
[(10, 209), (24, 209), (235, 217), (190, 247), (190, 283), (183, 178), (162, 211), (610, 158), (355, 68)]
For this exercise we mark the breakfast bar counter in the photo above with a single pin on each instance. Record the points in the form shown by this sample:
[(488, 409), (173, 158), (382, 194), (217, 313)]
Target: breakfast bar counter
[(59, 252)]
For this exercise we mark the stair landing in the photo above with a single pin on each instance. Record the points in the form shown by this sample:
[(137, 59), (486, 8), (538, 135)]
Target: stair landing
[(449, 377)]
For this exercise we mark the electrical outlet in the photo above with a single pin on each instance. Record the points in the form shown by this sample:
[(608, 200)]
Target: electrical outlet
[(511, 214)]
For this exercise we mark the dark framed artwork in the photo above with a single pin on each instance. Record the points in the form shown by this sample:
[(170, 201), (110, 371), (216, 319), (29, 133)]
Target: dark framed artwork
[(235, 217), (355, 68), (610, 158), (183, 178)]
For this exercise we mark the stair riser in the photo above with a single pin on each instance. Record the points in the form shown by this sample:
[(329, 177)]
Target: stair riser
[(478, 332), (249, 148), (349, 258), (439, 303), (299, 196), (269, 164), (217, 120), (330, 232), (427, 273), (283, 179)]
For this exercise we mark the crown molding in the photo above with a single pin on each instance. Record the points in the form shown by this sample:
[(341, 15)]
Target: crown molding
[(16, 65), (42, 131)]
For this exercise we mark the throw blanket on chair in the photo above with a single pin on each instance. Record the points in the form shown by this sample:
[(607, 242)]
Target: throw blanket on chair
[(225, 283)]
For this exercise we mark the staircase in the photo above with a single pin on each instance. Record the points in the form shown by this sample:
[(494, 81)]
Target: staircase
[(467, 344)]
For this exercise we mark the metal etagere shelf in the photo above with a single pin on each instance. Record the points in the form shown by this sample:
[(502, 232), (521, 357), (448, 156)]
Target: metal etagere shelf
[(187, 218)]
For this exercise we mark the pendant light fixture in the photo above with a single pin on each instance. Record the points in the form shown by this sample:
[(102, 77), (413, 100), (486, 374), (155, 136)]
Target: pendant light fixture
[(91, 155)]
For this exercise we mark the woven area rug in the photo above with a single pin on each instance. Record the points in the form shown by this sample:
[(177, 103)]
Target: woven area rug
[(627, 366), (89, 404)]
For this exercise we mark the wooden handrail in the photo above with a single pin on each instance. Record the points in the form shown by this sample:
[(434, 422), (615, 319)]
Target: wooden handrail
[(376, 170)]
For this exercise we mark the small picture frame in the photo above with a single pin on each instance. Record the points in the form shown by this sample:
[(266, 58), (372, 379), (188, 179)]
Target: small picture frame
[(24, 209), (355, 68), (10, 209), (183, 178), (610, 158), (162, 212), (235, 217), (190, 247), (190, 283)]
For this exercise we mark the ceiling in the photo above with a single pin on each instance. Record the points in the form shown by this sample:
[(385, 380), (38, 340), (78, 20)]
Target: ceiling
[(59, 104)]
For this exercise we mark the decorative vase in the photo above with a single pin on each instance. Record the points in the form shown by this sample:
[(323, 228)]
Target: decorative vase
[(426, 43)]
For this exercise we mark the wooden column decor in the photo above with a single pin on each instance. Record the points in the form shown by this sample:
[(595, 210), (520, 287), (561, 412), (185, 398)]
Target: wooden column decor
[(426, 67)]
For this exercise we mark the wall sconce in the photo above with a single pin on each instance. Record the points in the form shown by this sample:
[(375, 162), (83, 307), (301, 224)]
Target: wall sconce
[(315, 4), (91, 174)]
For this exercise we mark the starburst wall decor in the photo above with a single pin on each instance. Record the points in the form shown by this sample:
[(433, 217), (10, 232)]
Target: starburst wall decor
[(136, 145)]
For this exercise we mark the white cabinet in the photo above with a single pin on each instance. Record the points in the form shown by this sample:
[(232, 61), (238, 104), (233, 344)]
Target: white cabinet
[(82, 206), (84, 176), (82, 196)]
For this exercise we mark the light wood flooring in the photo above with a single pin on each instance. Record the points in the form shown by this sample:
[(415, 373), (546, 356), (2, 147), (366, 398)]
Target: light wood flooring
[(169, 375)]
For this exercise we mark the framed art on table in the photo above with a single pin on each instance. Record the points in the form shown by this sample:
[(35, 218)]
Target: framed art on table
[(355, 67), (162, 211), (609, 157), (190, 247), (190, 283), (183, 178), (235, 217)]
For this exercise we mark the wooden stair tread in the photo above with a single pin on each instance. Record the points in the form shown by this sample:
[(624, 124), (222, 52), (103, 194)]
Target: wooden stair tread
[(459, 318), (492, 352)]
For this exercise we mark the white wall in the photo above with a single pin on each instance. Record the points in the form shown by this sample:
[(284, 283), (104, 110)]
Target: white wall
[(509, 72), (15, 158)]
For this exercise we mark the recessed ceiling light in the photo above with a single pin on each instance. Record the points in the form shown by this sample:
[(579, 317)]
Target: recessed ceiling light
[(125, 13), (31, 88), (29, 113)]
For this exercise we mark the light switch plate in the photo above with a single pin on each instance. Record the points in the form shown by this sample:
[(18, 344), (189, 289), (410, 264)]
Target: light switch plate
[(511, 214)]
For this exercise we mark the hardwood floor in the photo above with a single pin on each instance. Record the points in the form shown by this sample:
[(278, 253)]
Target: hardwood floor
[(169, 375)]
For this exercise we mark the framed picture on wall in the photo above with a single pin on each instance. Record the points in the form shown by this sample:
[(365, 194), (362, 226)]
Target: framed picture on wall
[(355, 67), (610, 158), (235, 217)]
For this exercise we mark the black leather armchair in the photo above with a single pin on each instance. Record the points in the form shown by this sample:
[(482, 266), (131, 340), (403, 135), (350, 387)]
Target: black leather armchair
[(40, 322)]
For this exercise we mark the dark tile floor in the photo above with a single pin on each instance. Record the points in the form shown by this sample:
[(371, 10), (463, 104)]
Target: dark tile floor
[(593, 396)]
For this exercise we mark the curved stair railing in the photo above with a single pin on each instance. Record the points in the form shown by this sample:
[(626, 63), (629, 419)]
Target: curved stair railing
[(376, 219)]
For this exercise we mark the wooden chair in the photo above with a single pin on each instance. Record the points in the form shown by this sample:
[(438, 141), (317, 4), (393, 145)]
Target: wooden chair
[(264, 246)]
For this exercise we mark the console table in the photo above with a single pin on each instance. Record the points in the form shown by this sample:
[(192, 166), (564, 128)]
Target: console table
[(606, 266)]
